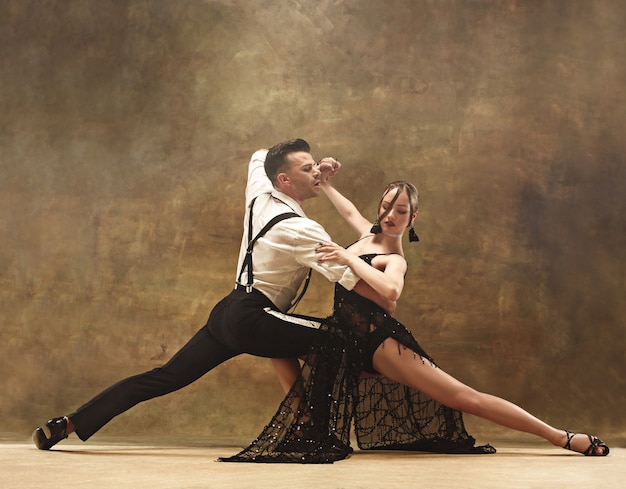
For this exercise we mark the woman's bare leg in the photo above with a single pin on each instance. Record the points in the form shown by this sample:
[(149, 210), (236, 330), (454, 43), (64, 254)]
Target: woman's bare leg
[(402, 365), (287, 370)]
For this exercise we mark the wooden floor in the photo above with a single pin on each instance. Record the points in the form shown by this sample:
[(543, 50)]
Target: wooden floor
[(73, 464)]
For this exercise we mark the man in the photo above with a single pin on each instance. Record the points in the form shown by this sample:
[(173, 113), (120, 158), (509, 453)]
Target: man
[(251, 319)]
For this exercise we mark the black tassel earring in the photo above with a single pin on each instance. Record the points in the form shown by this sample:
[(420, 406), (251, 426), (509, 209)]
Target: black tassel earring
[(376, 228), (413, 237)]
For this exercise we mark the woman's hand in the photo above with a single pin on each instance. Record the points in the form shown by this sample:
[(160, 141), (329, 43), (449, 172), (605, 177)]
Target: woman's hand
[(335, 253), (328, 167)]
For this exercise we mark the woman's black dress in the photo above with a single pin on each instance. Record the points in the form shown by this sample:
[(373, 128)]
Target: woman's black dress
[(312, 424)]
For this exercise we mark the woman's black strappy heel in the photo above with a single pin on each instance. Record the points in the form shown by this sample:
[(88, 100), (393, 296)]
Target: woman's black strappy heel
[(594, 441)]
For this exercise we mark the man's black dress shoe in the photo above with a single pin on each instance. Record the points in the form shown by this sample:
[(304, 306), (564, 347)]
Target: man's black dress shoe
[(50, 434)]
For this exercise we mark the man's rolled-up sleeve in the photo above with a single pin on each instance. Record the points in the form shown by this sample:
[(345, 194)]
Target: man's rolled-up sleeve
[(349, 279)]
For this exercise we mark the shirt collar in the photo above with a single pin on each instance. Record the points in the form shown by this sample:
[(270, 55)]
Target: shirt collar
[(289, 201)]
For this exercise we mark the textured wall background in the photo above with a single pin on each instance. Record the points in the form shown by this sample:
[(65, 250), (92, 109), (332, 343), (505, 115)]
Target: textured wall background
[(126, 127)]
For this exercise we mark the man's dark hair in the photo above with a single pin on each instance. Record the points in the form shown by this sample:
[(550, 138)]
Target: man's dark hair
[(276, 159)]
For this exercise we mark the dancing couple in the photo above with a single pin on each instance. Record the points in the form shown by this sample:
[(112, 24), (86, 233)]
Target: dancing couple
[(360, 367)]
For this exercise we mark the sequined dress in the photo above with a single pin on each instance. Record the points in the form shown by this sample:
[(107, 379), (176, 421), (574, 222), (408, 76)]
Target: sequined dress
[(313, 422)]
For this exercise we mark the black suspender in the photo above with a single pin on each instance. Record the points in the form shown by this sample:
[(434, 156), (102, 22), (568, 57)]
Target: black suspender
[(247, 261)]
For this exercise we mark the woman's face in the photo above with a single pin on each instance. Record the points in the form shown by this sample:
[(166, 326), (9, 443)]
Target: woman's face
[(399, 216)]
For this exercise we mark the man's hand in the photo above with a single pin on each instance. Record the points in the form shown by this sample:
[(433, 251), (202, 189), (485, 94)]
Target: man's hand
[(328, 167)]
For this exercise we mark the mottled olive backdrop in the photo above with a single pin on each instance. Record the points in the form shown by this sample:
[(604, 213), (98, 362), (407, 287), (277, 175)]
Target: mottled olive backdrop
[(125, 131)]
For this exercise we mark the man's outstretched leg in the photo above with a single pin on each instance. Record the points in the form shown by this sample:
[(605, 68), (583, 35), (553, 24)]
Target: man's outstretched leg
[(201, 354)]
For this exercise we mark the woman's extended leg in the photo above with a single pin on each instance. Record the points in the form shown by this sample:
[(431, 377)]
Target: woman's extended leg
[(402, 365)]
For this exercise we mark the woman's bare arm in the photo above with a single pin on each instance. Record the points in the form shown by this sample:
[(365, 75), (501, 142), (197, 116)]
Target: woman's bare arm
[(344, 206)]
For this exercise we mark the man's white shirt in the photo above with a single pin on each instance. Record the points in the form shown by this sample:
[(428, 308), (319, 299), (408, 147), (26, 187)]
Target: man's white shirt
[(281, 259)]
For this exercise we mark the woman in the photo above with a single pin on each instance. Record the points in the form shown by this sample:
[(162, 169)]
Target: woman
[(404, 400)]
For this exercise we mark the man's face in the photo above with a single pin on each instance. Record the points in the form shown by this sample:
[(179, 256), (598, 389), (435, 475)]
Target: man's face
[(301, 180)]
